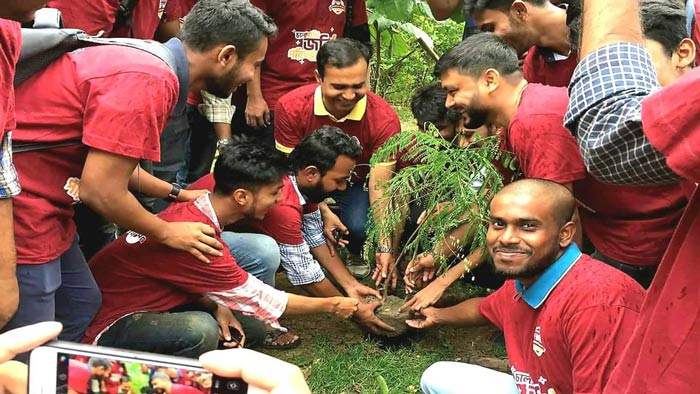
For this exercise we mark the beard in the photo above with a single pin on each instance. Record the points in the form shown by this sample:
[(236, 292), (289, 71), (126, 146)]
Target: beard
[(531, 269), (314, 193), (477, 118), (222, 86)]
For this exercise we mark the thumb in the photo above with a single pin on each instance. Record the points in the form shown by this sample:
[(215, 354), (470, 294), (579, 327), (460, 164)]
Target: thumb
[(225, 331)]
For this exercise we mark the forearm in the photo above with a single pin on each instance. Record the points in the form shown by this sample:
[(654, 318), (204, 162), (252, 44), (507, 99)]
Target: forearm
[(146, 183), (457, 271), (443, 9), (222, 130), (254, 87), (609, 21), (379, 175), (334, 265), (8, 261), (465, 313), (301, 305), (452, 243), (323, 288), (208, 304)]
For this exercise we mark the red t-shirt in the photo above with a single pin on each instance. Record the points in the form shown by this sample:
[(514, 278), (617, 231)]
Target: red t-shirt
[(571, 342), (304, 25), (136, 274), (631, 224), (295, 119), (662, 356), (695, 31), (92, 16), (118, 107), (540, 67), (10, 45)]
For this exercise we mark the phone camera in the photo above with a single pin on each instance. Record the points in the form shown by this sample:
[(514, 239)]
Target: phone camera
[(229, 386), (233, 386)]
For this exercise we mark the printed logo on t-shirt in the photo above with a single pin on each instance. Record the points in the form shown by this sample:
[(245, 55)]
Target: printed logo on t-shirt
[(72, 188), (133, 237), (537, 345), (337, 7), (528, 386), (308, 42)]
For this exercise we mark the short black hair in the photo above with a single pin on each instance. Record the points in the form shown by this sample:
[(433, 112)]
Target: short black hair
[(664, 22), (428, 106), (97, 362), (228, 22), (471, 7), (247, 165), (478, 53), (341, 53), (322, 148)]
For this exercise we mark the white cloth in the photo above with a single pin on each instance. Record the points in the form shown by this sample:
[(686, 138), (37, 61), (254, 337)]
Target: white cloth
[(449, 377)]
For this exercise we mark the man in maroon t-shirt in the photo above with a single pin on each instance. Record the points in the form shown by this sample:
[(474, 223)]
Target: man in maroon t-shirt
[(537, 27), (629, 226), (566, 317), (341, 99), (104, 128), (10, 44)]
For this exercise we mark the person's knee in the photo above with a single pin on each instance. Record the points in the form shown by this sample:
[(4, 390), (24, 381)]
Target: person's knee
[(269, 254), (434, 378), (200, 334)]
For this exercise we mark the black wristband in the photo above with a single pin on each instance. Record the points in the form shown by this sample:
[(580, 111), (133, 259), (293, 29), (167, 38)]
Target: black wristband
[(174, 192)]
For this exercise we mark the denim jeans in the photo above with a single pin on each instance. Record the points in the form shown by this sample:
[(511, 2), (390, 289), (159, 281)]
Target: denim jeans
[(354, 206), (62, 289), (257, 254)]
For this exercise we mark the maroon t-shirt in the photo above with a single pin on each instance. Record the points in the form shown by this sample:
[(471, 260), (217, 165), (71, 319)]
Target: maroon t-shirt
[(573, 340), (135, 273), (662, 356), (10, 45), (631, 224), (539, 66)]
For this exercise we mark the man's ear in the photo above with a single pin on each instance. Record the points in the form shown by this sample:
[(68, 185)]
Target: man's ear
[(311, 174), (519, 10), (318, 76), (240, 197), (566, 234), (684, 55), (492, 79), (227, 56)]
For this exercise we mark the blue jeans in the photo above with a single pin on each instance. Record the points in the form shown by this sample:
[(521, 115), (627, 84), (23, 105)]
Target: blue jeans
[(257, 254), (354, 206), (62, 289)]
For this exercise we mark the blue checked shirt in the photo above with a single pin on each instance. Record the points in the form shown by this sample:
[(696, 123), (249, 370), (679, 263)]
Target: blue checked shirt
[(9, 183), (605, 115)]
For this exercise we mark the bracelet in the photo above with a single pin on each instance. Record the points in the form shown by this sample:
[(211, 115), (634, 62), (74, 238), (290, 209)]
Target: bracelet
[(223, 142), (174, 192), (385, 249)]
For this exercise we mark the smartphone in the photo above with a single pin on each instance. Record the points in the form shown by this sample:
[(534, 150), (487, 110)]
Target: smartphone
[(70, 368)]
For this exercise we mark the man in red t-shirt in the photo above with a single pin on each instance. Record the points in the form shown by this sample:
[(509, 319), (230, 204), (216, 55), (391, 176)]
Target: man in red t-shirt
[(304, 26), (103, 124), (629, 226), (341, 99), (162, 300), (10, 44), (537, 27), (566, 317)]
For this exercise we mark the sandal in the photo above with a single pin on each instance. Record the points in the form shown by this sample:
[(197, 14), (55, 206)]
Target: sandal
[(272, 338)]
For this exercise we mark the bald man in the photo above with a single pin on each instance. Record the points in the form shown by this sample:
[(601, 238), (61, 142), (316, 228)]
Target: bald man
[(566, 317)]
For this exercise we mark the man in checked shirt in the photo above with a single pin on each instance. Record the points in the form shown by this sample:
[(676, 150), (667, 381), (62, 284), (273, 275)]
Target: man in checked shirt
[(630, 132)]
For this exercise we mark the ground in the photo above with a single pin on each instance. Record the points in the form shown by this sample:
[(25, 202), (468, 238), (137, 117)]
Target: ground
[(337, 357)]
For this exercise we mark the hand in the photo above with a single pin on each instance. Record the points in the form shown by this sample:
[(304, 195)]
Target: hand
[(419, 271), (226, 320), (423, 319), (13, 374), (189, 195), (263, 373), (257, 114), (366, 318), (344, 307), (195, 238), (425, 298), (359, 291), (385, 261), (334, 230)]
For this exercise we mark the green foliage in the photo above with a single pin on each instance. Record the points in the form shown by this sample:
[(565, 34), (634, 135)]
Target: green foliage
[(440, 179)]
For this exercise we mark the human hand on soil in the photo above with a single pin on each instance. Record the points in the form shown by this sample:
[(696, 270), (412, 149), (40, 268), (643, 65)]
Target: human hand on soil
[(189, 195), (366, 318), (359, 291), (344, 307), (334, 230), (195, 238), (425, 297), (226, 321), (423, 319), (419, 271), (384, 263)]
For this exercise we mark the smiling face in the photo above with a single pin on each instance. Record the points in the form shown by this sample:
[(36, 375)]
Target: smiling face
[(264, 198), (524, 236), (316, 187), (343, 87), (465, 95), (514, 32)]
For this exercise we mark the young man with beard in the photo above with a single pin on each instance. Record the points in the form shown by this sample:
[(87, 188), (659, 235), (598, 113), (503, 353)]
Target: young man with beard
[(629, 226), (158, 299), (566, 316), (537, 27), (321, 164), (106, 115), (11, 12)]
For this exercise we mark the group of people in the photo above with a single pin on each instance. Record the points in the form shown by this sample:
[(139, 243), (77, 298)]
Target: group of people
[(112, 136)]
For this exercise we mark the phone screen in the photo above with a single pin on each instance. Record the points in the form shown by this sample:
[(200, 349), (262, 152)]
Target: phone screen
[(82, 374)]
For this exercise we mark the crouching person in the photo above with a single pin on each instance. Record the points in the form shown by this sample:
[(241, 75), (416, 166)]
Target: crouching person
[(158, 299)]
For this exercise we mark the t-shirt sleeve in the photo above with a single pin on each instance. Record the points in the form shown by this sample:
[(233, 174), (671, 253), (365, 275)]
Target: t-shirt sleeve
[(287, 132), (671, 123), (90, 16), (120, 118), (391, 126), (493, 306), (545, 149), (597, 337), (359, 16), (284, 223)]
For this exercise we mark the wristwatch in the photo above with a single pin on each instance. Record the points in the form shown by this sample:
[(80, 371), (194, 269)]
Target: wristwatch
[(385, 249), (174, 192), (223, 142)]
